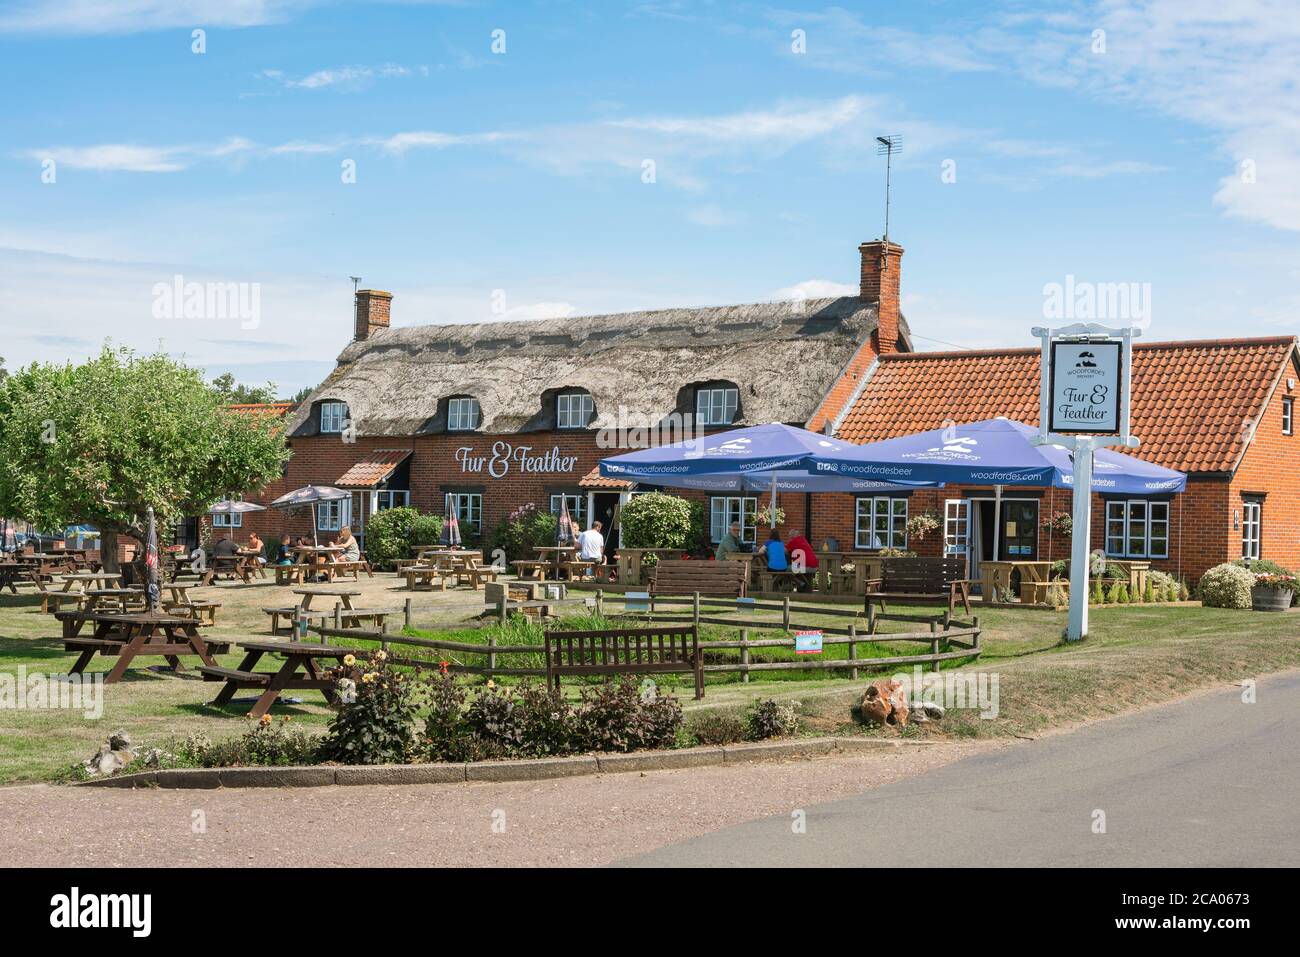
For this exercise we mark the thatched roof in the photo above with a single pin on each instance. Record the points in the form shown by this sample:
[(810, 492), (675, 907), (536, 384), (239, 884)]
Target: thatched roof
[(783, 356)]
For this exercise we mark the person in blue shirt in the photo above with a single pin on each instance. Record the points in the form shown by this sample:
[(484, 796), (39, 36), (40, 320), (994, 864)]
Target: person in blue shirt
[(776, 561)]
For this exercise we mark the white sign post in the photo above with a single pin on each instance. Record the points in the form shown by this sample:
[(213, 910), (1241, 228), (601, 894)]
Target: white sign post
[(1083, 405)]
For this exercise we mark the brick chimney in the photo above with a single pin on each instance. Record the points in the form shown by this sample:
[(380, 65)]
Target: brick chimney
[(372, 310), (880, 264)]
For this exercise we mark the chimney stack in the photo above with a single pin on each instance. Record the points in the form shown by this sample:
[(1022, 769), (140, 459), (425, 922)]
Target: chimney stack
[(372, 309), (880, 264)]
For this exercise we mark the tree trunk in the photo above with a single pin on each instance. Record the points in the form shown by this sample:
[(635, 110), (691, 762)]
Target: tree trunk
[(108, 549)]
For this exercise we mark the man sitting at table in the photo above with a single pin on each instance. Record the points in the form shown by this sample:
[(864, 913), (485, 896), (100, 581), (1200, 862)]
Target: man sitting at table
[(730, 543), (800, 546), (591, 545), (225, 548)]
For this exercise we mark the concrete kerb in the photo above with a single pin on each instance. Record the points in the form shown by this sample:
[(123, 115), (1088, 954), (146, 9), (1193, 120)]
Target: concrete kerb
[(537, 769)]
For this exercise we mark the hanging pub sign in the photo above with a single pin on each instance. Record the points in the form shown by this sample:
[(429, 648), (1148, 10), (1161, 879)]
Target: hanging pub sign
[(1086, 386)]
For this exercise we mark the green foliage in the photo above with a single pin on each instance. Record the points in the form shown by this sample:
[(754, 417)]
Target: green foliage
[(426, 530), (1226, 586), (233, 393), (100, 442), (524, 529), (388, 536), (656, 520), (771, 719), (1098, 597), (1149, 593), (698, 543), (1263, 566), (617, 716), (375, 722), (715, 727), (266, 743)]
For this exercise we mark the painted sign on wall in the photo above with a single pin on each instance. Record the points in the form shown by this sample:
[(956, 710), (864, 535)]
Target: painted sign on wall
[(1085, 389), (521, 458)]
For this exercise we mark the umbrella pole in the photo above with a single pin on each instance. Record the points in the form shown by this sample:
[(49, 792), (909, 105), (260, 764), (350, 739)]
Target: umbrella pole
[(997, 519), (314, 522), (772, 514)]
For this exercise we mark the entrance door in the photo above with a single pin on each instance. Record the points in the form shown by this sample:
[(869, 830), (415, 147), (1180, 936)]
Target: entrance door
[(956, 528), (1018, 538), (604, 505)]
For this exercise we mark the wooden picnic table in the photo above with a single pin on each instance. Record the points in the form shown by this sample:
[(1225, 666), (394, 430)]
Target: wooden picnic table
[(98, 599), (131, 635), (556, 556), (995, 577), (88, 580), (344, 595), (11, 573), (299, 672)]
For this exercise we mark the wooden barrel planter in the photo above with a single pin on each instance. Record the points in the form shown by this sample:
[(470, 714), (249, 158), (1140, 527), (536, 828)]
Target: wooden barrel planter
[(1263, 598)]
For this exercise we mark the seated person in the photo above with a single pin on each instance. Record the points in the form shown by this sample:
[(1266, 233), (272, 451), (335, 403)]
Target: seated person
[(730, 543), (800, 546), (351, 550), (775, 553), (255, 548), (283, 555), (225, 548)]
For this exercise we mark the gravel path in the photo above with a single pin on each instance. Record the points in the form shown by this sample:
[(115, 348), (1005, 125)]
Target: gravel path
[(583, 821)]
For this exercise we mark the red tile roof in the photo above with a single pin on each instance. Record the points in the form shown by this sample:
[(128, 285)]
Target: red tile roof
[(277, 409), (373, 469), (1190, 405), (594, 479)]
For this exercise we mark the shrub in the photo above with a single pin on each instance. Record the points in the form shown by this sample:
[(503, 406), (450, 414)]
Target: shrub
[(548, 721), (1098, 596), (698, 542), (1119, 593), (521, 531), (426, 530), (375, 721), (716, 727), (655, 520), (1278, 577), (266, 743), (1149, 593), (1160, 582), (617, 716), (444, 722), (494, 723), (388, 536), (1057, 596), (770, 719), (1226, 586)]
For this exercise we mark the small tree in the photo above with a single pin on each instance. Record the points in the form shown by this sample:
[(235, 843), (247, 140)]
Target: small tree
[(655, 520), (102, 441)]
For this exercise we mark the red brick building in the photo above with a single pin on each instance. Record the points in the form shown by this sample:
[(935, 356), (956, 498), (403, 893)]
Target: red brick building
[(485, 418)]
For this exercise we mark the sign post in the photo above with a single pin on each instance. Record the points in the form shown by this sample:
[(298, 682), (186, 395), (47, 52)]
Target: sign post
[(1083, 405)]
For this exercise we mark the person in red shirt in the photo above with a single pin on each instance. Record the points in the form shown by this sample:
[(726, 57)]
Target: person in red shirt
[(797, 543)]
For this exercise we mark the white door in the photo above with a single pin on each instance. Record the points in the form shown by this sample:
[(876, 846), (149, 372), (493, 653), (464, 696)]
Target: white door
[(956, 527)]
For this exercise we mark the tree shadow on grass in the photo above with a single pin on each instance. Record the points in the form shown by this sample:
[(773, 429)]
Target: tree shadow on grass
[(31, 648), (240, 708)]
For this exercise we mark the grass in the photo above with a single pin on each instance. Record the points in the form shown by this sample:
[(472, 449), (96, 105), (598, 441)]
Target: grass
[(1135, 655)]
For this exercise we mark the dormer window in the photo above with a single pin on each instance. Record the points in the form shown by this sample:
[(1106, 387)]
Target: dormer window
[(573, 410), (333, 417), (463, 414), (716, 405)]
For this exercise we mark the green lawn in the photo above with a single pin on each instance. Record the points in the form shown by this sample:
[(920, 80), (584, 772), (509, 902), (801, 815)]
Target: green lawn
[(1135, 655)]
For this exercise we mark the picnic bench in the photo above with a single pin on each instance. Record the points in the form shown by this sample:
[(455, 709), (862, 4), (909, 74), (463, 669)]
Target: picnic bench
[(234, 566), (299, 672), (129, 636), (424, 575), (625, 651), (920, 581), (349, 615), (530, 569), (683, 577)]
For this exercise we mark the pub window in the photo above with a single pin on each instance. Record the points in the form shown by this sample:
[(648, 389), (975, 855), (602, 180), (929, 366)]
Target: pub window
[(573, 410), (229, 521), (881, 522), (463, 414), (391, 498), (725, 509), (333, 515), (468, 509), (1288, 416), (577, 505), (1137, 528), (716, 406), (333, 417), (1252, 527)]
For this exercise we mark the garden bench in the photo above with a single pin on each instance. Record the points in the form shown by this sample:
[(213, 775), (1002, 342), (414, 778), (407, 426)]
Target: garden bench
[(576, 568), (725, 579), (625, 651), (473, 575), (1036, 592), (920, 581), (57, 599)]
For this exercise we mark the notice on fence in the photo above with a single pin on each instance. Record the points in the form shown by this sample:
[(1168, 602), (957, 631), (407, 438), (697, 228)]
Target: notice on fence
[(807, 642)]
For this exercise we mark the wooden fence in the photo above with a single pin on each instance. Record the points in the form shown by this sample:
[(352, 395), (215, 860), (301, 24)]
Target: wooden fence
[(948, 638)]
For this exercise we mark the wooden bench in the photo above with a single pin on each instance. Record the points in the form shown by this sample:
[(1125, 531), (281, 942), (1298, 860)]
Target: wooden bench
[(625, 651), (530, 568), (1036, 592), (57, 598), (291, 574), (576, 568), (474, 575), (681, 577), (920, 581), (292, 612), (299, 671), (204, 611), (419, 575), (350, 568)]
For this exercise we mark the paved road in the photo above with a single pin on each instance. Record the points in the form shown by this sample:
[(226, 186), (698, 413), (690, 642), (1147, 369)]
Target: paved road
[(1209, 781)]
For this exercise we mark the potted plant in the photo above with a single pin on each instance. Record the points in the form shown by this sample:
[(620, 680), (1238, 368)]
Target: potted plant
[(1272, 592)]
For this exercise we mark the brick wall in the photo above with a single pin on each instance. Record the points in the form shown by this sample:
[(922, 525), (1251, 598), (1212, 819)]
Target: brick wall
[(1269, 469)]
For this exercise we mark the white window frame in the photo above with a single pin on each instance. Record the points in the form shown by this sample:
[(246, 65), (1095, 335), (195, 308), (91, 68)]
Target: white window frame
[(1134, 526), (1252, 528), (880, 510), (956, 526), (1288, 415), (463, 414), (468, 507), (574, 410), (725, 509), (717, 405), (333, 417), (230, 520), (334, 514), (386, 498), (577, 507)]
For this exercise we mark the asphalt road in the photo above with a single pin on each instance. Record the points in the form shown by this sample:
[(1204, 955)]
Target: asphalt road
[(1208, 781)]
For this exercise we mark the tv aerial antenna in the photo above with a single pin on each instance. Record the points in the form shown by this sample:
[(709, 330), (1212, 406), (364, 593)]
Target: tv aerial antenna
[(887, 147)]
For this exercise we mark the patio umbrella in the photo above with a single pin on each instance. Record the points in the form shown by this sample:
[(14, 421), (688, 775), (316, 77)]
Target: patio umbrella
[(310, 495), (564, 535), (757, 448), (450, 526), (151, 563), (229, 507)]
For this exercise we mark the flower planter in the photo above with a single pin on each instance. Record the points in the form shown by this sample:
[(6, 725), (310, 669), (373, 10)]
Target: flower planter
[(1264, 598)]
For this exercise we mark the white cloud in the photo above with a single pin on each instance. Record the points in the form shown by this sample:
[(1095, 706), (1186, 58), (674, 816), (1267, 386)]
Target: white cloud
[(816, 289), (133, 16), (114, 156)]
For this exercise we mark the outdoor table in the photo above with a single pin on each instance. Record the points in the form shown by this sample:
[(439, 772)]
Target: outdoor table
[(995, 577), (97, 597), (556, 556), (344, 595), (90, 580), (128, 635), (298, 673), (13, 572), (423, 552), (318, 555)]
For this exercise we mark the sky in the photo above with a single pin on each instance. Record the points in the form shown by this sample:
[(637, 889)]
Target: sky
[(487, 161)]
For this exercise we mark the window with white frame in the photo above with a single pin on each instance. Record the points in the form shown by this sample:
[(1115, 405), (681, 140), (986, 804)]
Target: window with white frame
[(331, 516), (463, 414), (716, 406), (391, 498), (1137, 528), (333, 417), (573, 410), (1288, 416), (577, 505), (881, 522), (468, 509), (1252, 527), (725, 509), (228, 520)]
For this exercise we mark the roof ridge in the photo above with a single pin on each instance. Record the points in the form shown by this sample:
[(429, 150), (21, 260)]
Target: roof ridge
[(1161, 344)]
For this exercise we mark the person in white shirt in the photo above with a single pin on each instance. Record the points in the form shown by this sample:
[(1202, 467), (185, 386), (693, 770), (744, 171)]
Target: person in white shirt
[(591, 544)]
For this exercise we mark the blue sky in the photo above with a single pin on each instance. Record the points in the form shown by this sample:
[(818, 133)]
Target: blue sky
[(510, 184)]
